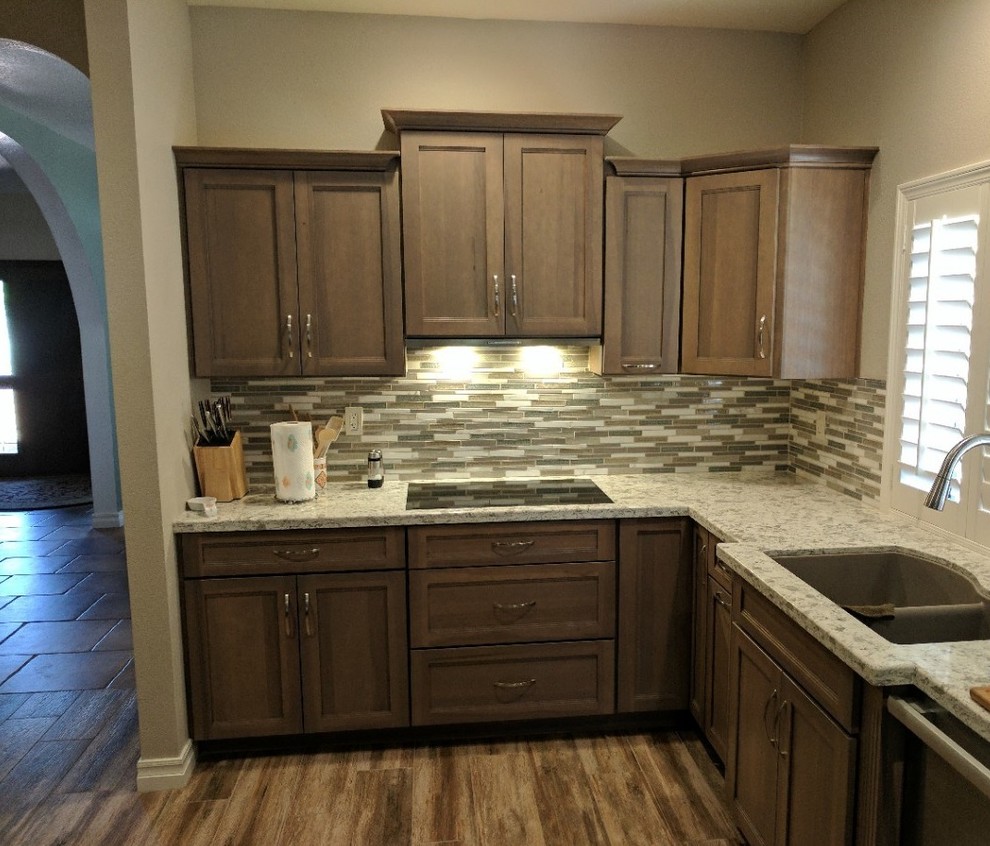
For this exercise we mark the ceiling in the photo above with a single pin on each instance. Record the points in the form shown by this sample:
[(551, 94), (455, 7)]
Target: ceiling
[(796, 16)]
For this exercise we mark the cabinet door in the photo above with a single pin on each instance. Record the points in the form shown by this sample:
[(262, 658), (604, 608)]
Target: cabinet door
[(243, 657), (241, 242), (642, 275), (818, 762), (751, 771), (354, 651), (350, 274), (654, 632), (719, 625), (730, 266), (553, 235), (699, 629), (453, 234)]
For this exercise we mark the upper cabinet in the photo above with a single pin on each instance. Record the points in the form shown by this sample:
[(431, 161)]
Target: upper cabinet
[(643, 226), (502, 223), (774, 246), (294, 262)]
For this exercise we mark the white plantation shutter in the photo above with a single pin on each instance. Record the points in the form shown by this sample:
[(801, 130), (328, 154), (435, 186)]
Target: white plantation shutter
[(939, 376), (941, 293)]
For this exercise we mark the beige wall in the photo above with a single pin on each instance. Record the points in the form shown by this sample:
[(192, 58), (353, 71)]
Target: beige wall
[(912, 77), (312, 80), (58, 26), (24, 234), (140, 56)]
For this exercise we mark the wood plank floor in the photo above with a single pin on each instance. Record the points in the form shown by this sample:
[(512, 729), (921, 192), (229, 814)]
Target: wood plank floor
[(68, 757), (623, 789)]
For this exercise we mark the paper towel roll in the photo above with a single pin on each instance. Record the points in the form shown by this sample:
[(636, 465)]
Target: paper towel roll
[(292, 455)]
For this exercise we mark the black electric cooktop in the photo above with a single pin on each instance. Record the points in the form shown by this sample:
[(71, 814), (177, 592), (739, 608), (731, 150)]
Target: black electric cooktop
[(504, 493)]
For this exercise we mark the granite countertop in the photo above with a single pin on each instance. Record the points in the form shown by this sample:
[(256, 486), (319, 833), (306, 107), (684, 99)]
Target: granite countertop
[(756, 514)]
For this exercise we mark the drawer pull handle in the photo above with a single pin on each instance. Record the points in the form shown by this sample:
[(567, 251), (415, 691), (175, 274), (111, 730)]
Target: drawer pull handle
[(513, 607), (511, 547), (286, 606), (309, 626), (721, 600), (523, 685), (296, 554)]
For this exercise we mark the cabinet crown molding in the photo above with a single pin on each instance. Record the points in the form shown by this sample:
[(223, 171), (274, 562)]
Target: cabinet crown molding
[(400, 120), (790, 155), (632, 166), (245, 157)]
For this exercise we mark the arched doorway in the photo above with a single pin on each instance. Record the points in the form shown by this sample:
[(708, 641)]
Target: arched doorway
[(46, 136)]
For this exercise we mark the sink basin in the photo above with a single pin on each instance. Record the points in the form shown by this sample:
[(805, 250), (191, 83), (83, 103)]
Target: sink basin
[(904, 598)]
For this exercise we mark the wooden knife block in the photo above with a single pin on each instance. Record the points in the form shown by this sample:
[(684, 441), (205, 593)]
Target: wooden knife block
[(221, 470)]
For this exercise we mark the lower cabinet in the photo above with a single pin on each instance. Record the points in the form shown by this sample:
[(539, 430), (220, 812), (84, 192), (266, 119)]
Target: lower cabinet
[(493, 683), (791, 766), (654, 636), (718, 621), (512, 621), (712, 602), (285, 654), (288, 632)]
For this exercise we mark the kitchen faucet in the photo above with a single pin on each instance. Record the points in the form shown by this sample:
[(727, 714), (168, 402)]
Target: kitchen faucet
[(940, 487)]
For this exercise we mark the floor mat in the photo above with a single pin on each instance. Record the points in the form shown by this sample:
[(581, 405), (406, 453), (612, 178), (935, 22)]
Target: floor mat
[(44, 492)]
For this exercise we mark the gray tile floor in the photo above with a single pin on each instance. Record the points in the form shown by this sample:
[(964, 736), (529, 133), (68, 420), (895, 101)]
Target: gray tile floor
[(65, 629)]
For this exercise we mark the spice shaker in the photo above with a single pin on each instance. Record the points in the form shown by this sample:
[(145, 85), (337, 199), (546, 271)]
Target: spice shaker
[(376, 469)]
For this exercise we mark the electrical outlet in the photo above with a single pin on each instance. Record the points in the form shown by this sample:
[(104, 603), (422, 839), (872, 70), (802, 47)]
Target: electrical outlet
[(354, 420), (820, 425)]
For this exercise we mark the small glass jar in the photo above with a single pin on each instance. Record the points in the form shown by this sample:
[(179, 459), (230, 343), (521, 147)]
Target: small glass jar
[(376, 469)]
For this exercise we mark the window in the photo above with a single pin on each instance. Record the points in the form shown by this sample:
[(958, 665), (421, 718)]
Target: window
[(940, 348), (8, 413)]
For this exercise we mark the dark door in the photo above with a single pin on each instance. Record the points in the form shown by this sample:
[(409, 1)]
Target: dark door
[(46, 365)]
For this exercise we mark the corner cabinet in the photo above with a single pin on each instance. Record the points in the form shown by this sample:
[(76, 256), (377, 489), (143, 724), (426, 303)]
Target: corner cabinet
[(301, 633), (294, 262), (774, 245), (502, 223), (712, 601), (654, 636), (643, 233)]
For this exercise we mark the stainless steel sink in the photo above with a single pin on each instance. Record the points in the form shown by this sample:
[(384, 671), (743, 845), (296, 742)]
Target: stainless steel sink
[(904, 598)]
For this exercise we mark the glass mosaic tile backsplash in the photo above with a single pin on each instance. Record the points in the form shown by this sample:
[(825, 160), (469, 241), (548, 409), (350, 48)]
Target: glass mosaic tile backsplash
[(444, 420)]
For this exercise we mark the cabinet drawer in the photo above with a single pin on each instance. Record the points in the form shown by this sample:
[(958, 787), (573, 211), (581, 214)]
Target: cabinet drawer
[(259, 553), (830, 682), (473, 545), (478, 684), (479, 605)]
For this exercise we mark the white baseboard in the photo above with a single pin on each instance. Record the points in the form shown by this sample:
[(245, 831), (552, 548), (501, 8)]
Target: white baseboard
[(166, 773), (108, 520)]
